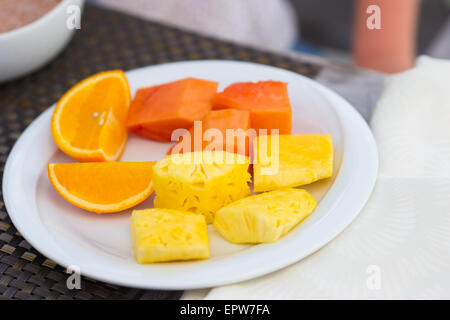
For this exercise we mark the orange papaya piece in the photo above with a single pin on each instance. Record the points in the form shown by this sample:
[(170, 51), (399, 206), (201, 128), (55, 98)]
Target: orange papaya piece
[(157, 111), (237, 140), (267, 101)]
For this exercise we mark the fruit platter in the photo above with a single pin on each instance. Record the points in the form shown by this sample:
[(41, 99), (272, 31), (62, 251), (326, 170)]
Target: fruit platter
[(190, 174)]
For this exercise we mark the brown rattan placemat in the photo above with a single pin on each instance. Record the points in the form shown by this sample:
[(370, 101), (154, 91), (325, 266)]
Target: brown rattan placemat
[(107, 40)]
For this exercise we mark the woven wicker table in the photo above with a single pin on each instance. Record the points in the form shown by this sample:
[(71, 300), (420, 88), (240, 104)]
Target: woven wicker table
[(112, 40)]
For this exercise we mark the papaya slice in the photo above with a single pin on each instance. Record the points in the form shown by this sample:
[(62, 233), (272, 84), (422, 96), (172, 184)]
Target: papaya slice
[(157, 111), (236, 139), (267, 101)]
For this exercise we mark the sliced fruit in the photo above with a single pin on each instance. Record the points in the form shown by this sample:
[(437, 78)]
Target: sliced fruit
[(267, 101), (166, 235), (200, 182), (157, 111), (102, 187), (88, 123), (298, 160), (220, 130), (265, 217)]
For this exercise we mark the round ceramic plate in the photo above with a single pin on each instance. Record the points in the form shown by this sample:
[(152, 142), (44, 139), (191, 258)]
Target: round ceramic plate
[(100, 245)]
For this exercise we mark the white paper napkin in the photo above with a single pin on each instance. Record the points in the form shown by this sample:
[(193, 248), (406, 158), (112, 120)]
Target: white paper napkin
[(399, 245)]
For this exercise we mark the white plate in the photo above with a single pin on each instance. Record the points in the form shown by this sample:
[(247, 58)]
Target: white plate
[(100, 245)]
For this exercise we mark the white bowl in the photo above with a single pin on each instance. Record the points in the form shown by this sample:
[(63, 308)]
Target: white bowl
[(26, 49)]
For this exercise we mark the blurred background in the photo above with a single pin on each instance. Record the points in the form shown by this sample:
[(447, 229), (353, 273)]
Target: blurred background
[(337, 30), (329, 28)]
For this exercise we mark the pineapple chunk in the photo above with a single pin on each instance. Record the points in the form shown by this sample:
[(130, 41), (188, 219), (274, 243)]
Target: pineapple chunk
[(165, 235), (200, 182), (301, 159), (265, 217)]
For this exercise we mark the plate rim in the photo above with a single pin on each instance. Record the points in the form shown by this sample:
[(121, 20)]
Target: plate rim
[(347, 109)]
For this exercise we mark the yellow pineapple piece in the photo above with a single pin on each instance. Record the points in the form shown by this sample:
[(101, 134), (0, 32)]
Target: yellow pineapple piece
[(200, 182), (265, 217), (165, 235), (297, 160)]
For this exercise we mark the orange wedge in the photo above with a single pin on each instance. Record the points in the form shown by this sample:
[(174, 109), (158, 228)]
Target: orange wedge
[(88, 123), (102, 187)]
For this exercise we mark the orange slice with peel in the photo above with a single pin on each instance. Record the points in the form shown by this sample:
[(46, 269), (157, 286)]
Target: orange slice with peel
[(102, 187), (88, 123)]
